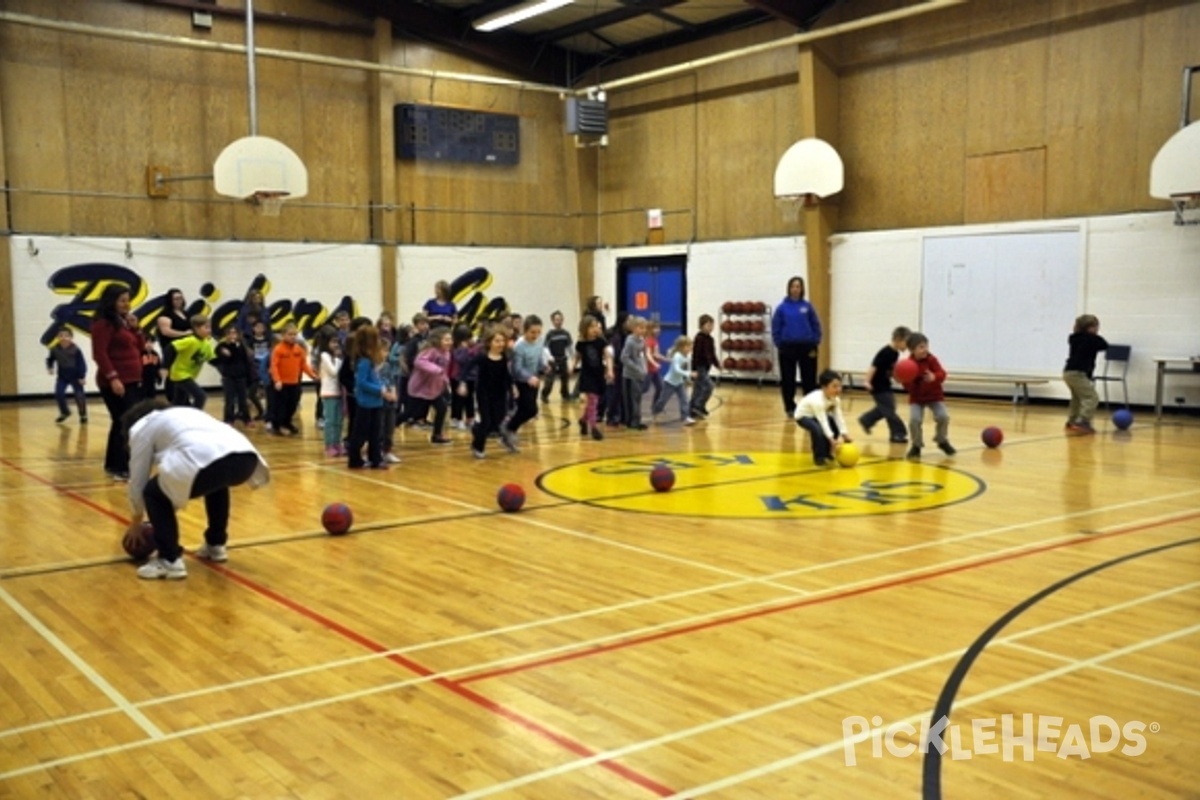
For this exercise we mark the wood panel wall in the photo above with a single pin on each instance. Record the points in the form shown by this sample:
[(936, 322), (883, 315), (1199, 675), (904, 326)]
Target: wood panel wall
[(931, 111)]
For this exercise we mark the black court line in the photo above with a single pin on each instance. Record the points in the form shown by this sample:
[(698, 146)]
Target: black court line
[(931, 770)]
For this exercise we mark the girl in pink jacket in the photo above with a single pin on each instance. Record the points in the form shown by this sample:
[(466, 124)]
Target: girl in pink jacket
[(430, 379)]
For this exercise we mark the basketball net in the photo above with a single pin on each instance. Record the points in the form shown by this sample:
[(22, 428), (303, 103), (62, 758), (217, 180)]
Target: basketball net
[(790, 205), (270, 204), (1186, 202)]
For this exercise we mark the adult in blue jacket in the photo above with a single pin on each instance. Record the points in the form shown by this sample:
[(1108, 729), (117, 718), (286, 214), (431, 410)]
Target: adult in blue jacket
[(796, 332)]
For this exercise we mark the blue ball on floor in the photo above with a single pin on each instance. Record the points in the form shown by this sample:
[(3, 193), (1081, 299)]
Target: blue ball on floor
[(1122, 418)]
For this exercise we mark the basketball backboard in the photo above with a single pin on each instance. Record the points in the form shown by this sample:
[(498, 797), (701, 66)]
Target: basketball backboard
[(809, 167), (257, 166)]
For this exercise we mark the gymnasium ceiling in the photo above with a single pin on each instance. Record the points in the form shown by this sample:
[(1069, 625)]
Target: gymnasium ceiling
[(561, 46)]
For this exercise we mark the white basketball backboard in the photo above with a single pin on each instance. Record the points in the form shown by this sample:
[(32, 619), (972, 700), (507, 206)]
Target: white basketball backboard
[(810, 166), (259, 164), (1175, 171)]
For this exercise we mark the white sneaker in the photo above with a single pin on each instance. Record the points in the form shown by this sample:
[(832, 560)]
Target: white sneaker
[(212, 552), (391, 457), (478, 453), (689, 421), (161, 568), (509, 439)]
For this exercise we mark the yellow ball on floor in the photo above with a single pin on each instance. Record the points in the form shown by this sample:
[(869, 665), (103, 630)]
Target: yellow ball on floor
[(847, 455)]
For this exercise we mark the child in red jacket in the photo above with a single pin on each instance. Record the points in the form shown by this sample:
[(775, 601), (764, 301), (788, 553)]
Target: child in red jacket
[(925, 390)]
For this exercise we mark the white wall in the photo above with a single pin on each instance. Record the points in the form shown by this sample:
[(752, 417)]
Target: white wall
[(1141, 277), (527, 280), (55, 279)]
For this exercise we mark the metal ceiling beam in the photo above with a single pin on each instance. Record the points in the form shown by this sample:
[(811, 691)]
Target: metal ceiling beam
[(508, 51), (613, 17)]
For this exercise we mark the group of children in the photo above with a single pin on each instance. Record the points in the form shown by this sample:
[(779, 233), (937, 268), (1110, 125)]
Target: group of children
[(820, 411), (373, 377)]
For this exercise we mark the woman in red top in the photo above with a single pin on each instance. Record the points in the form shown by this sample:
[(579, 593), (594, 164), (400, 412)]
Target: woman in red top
[(117, 346)]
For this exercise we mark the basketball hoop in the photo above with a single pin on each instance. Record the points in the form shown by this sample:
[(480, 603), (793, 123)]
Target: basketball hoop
[(1183, 203), (270, 204), (790, 205)]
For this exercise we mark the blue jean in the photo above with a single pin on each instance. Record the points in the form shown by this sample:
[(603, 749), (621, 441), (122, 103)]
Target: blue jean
[(670, 390), (60, 394)]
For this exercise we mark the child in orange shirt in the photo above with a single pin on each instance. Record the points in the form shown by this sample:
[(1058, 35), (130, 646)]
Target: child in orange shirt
[(289, 360)]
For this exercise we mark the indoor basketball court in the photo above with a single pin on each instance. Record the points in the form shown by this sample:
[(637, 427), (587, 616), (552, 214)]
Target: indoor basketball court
[(763, 627)]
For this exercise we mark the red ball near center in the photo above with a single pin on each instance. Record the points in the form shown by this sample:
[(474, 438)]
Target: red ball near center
[(992, 436), (906, 371), (337, 518), (511, 497), (662, 478)]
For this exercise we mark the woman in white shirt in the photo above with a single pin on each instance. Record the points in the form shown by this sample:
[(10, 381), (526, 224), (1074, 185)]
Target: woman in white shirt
[(196, 456)]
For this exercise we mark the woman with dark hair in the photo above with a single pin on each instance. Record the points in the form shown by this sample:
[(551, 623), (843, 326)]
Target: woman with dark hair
[(595, 308), (440, 308), (173, 323), (254, 308), (796, 332), (117, 346)]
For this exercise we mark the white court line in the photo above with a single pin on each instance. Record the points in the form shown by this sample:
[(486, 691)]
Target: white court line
[(571, 646), (1112, 671), (84, 668), (808, 755), (448, 674), (791, 702)]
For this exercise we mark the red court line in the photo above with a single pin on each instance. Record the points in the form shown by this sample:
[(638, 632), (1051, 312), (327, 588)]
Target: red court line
[(812, 601), (66, 492), (562, 740)]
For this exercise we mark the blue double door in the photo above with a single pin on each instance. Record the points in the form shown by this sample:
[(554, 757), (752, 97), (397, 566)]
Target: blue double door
[(656, 288)]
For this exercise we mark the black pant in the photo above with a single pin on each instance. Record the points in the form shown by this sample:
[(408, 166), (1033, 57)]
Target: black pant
[(116, 453), (368, 430), (791, 356), (440, 406), (492, 408), (188, 393), (885, 408), (236, 399), (286, 399), (462, 406), (212, 483), (561, 369), (527, 406)]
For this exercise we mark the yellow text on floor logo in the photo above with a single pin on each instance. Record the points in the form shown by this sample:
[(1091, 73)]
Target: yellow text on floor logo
[(761, 485)]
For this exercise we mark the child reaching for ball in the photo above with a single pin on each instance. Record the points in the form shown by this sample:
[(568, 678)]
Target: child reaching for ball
[(820, 413), (1084, 342)]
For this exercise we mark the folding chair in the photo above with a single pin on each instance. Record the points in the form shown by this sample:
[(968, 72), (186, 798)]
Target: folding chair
[(1116, 367)]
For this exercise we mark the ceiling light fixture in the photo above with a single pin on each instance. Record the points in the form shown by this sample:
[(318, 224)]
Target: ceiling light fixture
[(517, 13)]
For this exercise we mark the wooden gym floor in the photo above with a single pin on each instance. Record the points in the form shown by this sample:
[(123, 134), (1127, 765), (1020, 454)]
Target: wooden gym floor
[(726, 639)]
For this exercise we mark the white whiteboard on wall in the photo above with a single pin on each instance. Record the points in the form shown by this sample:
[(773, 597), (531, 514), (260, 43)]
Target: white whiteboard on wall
[(1001, 303)]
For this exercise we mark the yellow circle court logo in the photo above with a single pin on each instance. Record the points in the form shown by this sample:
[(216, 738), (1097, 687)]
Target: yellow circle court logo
[(761, 485)]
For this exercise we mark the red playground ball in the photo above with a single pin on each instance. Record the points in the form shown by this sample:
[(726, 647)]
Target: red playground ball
[(992, 436), (906, 371), (337, 518), (140, 544), (662, 478), (511, 497)]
